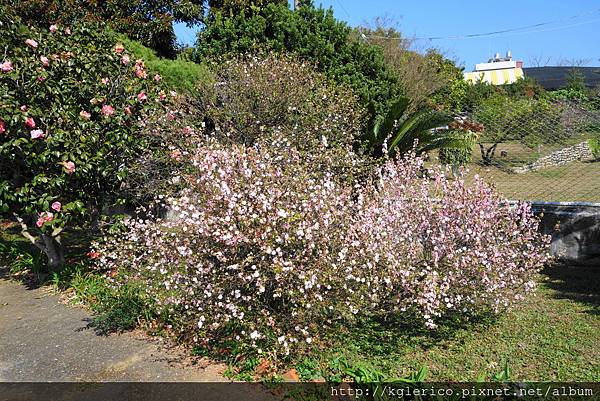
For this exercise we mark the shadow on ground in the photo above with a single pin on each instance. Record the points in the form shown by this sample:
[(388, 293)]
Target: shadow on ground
[(577, 283)]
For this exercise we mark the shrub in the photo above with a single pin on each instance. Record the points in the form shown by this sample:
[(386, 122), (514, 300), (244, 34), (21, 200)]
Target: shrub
[(255, 99), (179, 74), (265, 256), (437, 245), (313, 35), (594, 144), (277, 101), (71, 105)]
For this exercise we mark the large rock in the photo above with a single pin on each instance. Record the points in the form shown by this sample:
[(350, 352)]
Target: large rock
[(575, 230)]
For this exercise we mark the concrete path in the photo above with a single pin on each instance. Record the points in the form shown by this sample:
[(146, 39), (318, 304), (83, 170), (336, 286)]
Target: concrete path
[(42, 339)]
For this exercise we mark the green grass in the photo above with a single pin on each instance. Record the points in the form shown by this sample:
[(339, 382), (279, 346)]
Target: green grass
[(571, 182), (553, 336)]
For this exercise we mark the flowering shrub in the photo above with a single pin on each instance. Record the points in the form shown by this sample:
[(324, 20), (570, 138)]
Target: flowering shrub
[(257, 99), (262, 252), (439, 245), (71, 103)]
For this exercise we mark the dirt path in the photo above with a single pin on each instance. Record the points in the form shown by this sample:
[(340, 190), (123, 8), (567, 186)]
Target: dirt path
[(42, 339)]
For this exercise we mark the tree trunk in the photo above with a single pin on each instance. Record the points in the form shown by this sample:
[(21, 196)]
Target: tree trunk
[(487, 155), (54, 251)]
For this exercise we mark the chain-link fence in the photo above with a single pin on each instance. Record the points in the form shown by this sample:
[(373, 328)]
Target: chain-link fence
[(539, 150)]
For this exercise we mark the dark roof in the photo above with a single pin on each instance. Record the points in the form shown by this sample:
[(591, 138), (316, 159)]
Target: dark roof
[(556, 77)]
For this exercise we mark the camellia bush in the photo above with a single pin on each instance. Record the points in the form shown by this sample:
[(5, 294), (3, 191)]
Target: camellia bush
[(71, 103), (267, 255)]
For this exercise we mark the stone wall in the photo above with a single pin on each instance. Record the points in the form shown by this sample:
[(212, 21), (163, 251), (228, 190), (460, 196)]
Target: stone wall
[(581, 151)]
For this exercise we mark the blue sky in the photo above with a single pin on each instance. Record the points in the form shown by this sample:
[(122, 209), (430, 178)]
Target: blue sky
[(560, 38)]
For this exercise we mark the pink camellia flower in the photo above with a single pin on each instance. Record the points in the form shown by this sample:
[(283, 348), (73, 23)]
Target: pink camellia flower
[(30, 122), (44, 218), (142, 96), (108, 110), (41, 78), (187, 130), (157, 77), (53, 28), (23, 108), (56, 206), (85, 114), (45, 61), (37, 134), (119, 48), (2, 127), (69, 167), (104, 81), (31, 43), (128, 110), (6, 66), (125, 59)]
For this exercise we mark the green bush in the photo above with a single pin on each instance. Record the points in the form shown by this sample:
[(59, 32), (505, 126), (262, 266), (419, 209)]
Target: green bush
[(594, 144), (312, 34), (179, 74)]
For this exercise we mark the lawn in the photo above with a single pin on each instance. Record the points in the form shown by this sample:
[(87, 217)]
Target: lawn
[(572, 182), (552, 336)]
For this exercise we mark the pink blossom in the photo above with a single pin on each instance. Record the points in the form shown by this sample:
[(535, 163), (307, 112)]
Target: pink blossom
[(85, 114), (23, 108), (119, 48), (162, 96), (125, 59), (69, 167), (67, 31), (56, 206), (53, 28), (41, 78), (171, 115), (187, 130), (173, 94), (104, 81), (142, 96), (157, 77), (108, 110), (6, 66), (44, 218), (2, 127), (31, 43), (45, 61), (128, 110), (30, 122), (37, 134)]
